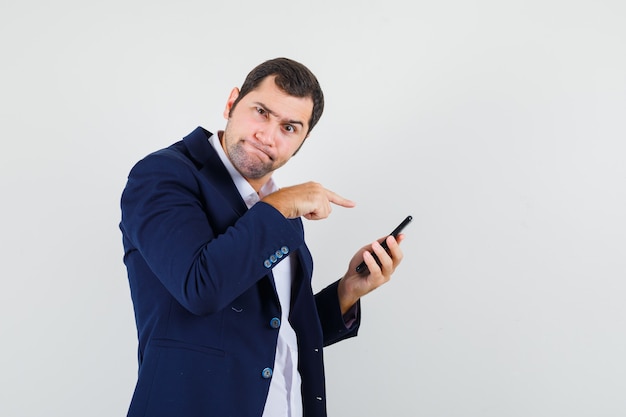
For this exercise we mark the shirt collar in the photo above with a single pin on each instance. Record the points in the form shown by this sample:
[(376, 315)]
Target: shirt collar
[(249, 196)]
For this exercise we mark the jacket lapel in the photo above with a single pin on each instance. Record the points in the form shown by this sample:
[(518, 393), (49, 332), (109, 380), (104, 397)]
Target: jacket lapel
[(208, 162), (210, 165)]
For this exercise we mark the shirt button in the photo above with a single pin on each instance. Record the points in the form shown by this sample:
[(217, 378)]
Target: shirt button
[(267, 373), (284, 250), (275, 323)]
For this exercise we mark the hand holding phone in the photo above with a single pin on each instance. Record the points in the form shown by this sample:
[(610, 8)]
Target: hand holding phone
[(362, 268)]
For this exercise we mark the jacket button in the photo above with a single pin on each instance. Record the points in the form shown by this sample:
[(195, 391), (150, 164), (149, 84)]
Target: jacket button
[(275, 323), (284, 250), (279, 254), (267, 373), (273, 259), (267, 263)]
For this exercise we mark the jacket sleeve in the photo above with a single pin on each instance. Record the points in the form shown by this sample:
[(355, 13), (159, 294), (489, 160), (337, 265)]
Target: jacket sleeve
[(333, 326), (166, 220)]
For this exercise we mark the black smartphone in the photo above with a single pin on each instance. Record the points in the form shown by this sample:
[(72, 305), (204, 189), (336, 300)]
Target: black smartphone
[(362, 268)]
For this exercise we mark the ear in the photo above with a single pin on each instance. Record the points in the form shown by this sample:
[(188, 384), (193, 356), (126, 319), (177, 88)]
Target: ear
[(229, 104)]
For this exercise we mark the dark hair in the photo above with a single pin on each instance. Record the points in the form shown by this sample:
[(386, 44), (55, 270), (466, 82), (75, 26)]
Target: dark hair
[(291, 77)]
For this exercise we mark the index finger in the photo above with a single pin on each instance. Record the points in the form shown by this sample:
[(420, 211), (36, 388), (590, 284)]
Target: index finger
[(339, 200)]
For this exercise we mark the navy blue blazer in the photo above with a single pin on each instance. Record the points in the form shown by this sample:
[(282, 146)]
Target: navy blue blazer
[(200, 272)]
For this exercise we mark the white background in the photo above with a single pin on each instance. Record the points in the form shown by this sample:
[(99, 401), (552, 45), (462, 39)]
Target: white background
[(499, 125)]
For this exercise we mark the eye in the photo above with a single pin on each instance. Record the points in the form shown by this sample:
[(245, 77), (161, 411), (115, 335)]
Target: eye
[(261, 111), (290, 128)]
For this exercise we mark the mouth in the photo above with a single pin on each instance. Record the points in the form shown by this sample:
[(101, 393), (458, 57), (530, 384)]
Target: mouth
[(260, 149)]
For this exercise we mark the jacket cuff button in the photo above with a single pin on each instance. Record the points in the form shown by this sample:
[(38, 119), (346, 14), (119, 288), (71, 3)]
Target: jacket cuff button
[(267, 373)]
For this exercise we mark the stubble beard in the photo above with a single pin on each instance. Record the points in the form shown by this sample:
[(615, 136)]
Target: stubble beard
[(249, 166)]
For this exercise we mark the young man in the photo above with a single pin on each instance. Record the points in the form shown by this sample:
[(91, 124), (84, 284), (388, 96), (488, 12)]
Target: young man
[(219, 272)]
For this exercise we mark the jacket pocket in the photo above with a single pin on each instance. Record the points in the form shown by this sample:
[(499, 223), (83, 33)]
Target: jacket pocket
[(177, 344)]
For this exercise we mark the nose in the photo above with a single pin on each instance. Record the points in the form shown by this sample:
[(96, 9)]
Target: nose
[(266, 134)]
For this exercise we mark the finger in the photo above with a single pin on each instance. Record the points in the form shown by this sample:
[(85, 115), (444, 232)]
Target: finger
[(371, 263), (394, 248), (321, 211), (339, 200), (384, 258)]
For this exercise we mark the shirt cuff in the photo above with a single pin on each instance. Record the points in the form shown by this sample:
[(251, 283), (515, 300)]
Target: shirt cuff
[(351, 316)]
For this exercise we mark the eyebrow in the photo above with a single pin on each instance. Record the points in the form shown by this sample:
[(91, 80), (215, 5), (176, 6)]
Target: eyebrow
[(267, 109)]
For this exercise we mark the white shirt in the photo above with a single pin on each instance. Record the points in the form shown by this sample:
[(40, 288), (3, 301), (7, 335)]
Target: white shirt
[(284, 397)]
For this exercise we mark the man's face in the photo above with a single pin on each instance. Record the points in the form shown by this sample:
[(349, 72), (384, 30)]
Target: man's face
[(264, 130)]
